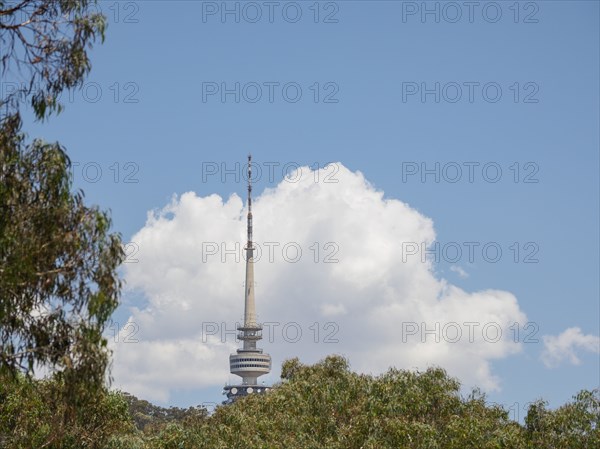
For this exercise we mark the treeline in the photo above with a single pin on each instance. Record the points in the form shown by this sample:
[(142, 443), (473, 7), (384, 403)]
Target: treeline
[(325, 405)]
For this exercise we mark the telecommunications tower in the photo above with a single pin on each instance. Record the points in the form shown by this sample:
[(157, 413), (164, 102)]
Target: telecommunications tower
[(249, 362)]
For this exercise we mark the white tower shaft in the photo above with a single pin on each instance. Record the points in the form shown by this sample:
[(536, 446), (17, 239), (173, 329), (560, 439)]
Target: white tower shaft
[(249, 304)]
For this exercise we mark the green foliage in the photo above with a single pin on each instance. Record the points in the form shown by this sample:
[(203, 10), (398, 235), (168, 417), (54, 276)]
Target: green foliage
[(58, 280), (58, 261), (575, 425), (152, 419), (31, 412), (58, 283), (327, 405), (46, 43), (320, 406)]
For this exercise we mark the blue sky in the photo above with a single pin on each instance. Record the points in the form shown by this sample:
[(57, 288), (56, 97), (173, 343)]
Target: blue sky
[(165, 122)]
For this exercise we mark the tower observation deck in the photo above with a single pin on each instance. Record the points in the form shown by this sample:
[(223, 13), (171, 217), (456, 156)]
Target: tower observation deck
[(249, 362)]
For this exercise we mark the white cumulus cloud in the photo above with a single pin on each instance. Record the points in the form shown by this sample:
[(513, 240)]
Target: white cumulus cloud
[(331, 278), (564, 346)]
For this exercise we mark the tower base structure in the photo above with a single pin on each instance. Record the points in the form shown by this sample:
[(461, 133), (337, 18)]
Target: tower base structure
[(234, 392)]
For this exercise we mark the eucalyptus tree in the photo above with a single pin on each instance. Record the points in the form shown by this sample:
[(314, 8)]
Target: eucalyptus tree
[(44, 50), (58, 257)]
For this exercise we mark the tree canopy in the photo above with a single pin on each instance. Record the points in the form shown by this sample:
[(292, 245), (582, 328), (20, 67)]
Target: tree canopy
[(44, 47), (324, 405), (58, 282), (58, 258), (58, 261)]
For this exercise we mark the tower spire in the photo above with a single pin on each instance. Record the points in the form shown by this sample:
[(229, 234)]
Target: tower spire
[(249, 200), (249, 362), (249, 304)]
